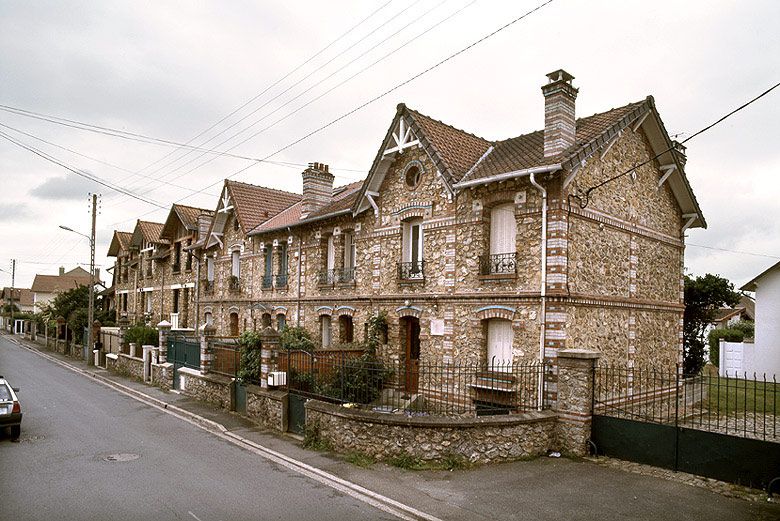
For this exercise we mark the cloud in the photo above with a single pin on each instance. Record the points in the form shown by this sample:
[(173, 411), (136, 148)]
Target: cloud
[(69, 187), (15, 212)]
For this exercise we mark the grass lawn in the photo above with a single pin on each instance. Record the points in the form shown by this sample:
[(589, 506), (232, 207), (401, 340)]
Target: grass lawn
[(727, 395)]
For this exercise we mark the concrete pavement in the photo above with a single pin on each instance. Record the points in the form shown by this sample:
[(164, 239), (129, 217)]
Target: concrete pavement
[(540, 489)]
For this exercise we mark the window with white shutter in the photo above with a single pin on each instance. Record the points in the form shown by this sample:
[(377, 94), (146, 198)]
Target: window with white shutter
[(236, 263), (503, 229), (499, 344)]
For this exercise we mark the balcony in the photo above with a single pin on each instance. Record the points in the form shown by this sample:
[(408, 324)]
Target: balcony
[(499, 265), (149, 273), (411, 271), (327, 277), (346, 276), (234, 284), (208, 287), (267, 281), (176, 268), (281, 280)]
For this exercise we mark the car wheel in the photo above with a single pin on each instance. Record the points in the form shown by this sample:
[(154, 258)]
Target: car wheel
[(16, 430)]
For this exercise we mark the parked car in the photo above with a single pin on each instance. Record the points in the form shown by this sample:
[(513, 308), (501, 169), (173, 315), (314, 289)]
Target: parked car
[(10, 409)]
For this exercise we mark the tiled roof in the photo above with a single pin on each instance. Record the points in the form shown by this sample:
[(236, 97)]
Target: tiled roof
[(150, 231), (458, 150), (189, 215), (120, 241), (527, 151), (255, 204), (57, 283), (23, 296), (343, 199)]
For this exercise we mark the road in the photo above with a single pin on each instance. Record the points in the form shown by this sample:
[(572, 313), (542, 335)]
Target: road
[(61, 469)]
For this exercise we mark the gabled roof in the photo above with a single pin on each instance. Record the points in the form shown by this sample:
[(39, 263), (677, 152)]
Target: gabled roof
[(252, 204), (23, 296), (464, 159), (751, 286), (121, 241), (57, 283), (186, 215), (147, 231), (343, 199)]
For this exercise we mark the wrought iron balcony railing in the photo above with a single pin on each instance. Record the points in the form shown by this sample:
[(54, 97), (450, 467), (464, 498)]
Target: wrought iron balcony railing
[(346, 276), (327, 277), (267, 281), (498, 264), (176, 268), (281, 280), (414, 270), (208, 287), (234, 285)]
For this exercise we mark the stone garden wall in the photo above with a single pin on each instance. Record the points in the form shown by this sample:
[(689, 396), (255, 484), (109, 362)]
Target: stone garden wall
[(268, 408)]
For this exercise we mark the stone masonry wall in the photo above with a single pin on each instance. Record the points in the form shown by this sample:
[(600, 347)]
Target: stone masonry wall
[(382, 436), (268, 408)]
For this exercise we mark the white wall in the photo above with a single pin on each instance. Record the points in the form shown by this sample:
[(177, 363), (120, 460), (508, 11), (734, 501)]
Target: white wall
[(740, 359), (768, 314)]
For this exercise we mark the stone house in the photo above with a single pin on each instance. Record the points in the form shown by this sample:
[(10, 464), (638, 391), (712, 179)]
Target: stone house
[(485, 251), (230, 283), (123, 282)]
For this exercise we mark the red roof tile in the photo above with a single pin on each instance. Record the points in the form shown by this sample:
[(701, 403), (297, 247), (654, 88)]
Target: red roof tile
[(255, 204)]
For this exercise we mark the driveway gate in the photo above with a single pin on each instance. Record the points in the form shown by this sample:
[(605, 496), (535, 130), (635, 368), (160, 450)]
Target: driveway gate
[(183, 352), (718, 427)]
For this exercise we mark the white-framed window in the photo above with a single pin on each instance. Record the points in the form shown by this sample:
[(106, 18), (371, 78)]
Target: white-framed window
[(209, 318), (499, 344), (148, 299), (210, 269), (503, 229), (235, 263), (349, 251), (330, 254), (325, 330), (412, 240)]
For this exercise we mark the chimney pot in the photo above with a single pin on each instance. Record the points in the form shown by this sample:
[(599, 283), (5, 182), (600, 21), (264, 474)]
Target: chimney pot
[(317, 188), (559, 118), (62, 270)]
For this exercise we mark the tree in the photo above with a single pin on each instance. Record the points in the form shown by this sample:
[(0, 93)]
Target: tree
[(703, 296)]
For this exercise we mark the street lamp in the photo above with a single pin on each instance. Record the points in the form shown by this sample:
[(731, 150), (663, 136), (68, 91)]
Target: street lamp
[(91, 312)]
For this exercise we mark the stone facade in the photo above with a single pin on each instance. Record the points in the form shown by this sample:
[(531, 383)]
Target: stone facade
[(268, 408)]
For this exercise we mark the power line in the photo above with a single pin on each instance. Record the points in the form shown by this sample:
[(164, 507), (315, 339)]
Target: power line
[(272, 85), (78, 172), (387, 92), (323, 94), (584, 201), (377, 97), (733, 251)]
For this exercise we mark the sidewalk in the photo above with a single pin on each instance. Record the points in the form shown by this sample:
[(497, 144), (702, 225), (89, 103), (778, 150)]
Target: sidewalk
[(545, 488)]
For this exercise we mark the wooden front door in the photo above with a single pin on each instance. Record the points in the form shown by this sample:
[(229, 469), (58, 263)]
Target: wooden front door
[(410, 331)]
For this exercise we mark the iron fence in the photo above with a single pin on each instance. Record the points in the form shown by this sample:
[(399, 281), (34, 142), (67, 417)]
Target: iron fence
[(414, 270), (225, 356), (498, 264), (737, 405), (418, 388)]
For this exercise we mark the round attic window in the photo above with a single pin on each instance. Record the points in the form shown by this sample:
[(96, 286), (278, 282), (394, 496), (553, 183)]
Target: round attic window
[(413, 174)]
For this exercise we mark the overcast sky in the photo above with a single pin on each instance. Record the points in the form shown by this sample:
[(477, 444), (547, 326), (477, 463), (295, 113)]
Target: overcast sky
[(171, 70)]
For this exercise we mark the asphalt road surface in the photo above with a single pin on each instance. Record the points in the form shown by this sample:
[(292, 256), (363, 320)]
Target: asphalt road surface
[(88, 452)]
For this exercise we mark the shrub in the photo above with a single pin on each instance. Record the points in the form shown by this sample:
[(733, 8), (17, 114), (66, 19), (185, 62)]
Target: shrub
[(250, 344), (729, 335), (359, 380), (142, 335), (748, 328), (377, 332), (296, 338)]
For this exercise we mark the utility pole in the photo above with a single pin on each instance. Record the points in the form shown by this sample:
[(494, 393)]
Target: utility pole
[(91, 313), (13, 277)]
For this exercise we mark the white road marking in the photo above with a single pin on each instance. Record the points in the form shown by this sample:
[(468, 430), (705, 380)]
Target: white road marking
[(378, 501), (193, 515)]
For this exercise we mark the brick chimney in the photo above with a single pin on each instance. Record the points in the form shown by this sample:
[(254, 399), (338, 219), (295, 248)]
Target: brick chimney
[(62, 271), (317, 188), (559, 119)]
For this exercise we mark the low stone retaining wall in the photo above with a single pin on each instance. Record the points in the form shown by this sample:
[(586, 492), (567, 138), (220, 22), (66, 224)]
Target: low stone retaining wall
[(268, 408), (162, 376), (126, 365), (210, 388), (384, 436)]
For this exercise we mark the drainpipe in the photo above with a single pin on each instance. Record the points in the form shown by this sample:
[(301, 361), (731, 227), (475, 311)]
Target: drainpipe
[(543, 289)]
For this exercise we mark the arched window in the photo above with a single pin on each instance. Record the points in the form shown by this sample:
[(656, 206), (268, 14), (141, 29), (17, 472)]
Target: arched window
[(266, 320), (208, 318), (235, 267), (234, 324), (325, 330), (281, 322)]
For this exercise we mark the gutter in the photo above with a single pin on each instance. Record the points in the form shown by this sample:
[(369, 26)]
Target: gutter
[(543, 289), (510, 175)]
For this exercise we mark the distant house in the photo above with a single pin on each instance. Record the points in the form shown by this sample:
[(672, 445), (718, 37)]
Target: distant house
[(767, 318), (46, 287), (727, 317), (21, 298)]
